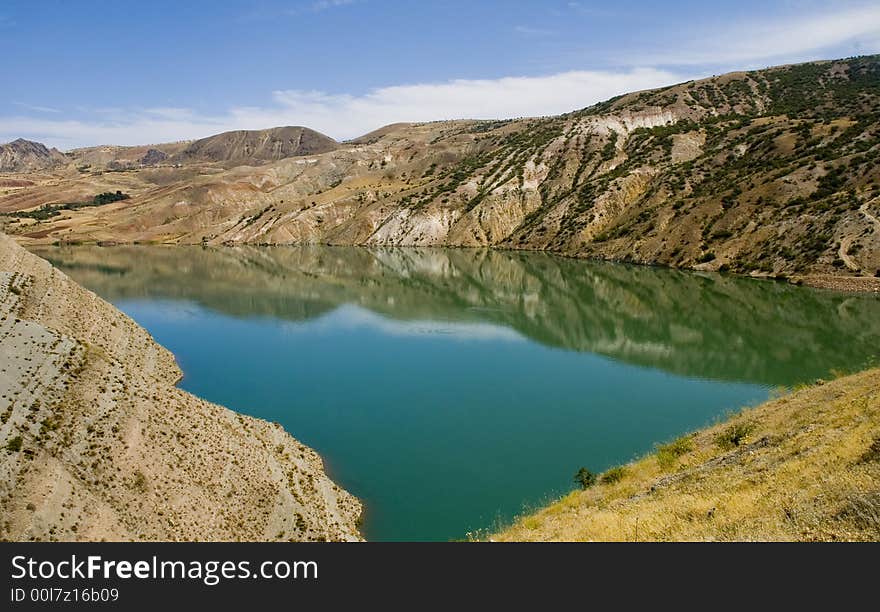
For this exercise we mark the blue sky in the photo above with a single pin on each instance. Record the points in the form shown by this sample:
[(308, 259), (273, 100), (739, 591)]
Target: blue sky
[(86, 73)]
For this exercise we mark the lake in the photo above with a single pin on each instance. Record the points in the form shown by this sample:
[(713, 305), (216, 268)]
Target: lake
[(452, 389)]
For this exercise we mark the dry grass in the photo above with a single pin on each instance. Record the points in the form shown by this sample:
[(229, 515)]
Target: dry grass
[(805, 466)]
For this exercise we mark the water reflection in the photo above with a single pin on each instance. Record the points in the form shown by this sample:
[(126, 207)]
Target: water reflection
[(707, 326)]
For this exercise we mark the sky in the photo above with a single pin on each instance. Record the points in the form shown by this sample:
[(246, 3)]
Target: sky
[(87, 73)]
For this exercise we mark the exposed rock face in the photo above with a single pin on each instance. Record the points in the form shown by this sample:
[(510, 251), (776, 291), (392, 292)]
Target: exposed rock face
[(773, 172), (27, 156), (153, 157), (260, 146), (98, 443)]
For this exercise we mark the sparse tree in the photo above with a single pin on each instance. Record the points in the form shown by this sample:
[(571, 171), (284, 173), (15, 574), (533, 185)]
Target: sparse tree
[(585, 478)]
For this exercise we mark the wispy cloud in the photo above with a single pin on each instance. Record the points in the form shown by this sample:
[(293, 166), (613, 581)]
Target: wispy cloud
[(530, 31), (323, 5), (171, 113), (38, 109), (582, 8), (319, 6), (347, 115), (855, 28)]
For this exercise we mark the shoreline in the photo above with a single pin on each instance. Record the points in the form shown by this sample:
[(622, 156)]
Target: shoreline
[(804, 466)]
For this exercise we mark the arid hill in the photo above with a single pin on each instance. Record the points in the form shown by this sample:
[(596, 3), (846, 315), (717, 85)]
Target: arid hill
[(255, 146), (97, 442), (110, 157), (26, 156), (768, 173)]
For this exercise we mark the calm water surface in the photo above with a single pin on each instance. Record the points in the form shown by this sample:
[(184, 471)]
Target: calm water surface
[(451, 389)]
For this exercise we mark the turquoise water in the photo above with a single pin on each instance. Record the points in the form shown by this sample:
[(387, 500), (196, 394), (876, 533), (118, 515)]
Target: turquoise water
[(449, 390)]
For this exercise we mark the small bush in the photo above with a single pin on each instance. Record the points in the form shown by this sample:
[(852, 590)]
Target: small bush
[(863, 510), (873, 452), (613, 475), (48, 425), (668, 454), (585, 478), (734, 435), (139, 482), (531, 523), (14, 445)]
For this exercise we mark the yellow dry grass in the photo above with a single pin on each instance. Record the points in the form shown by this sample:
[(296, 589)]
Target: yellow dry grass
[(808, 468)]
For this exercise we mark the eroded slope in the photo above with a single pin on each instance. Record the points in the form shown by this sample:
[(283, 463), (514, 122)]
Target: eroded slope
[(98, 443)]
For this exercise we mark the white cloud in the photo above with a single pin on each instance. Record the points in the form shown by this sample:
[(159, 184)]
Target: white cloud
[(800, 39), (345, 115)]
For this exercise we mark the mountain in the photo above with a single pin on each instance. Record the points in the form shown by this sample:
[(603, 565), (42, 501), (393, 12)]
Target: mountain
[(768, 173), (229, 149), (27, 156), (244, 146)]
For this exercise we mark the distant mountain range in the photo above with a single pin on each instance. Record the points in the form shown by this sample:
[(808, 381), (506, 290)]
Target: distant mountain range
[(770, 172), (237, 147)]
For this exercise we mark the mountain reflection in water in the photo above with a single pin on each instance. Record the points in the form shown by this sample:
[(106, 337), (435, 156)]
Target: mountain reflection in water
[(696, 325)]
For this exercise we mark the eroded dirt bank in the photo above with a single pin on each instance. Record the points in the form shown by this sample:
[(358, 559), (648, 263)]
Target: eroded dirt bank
[(96, 442)]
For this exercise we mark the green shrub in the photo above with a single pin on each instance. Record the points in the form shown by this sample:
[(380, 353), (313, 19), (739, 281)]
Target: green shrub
[(613, 475), (14, 445), (668, 454), (585, 478), (734, 435), (47, 425), (47, 211)]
